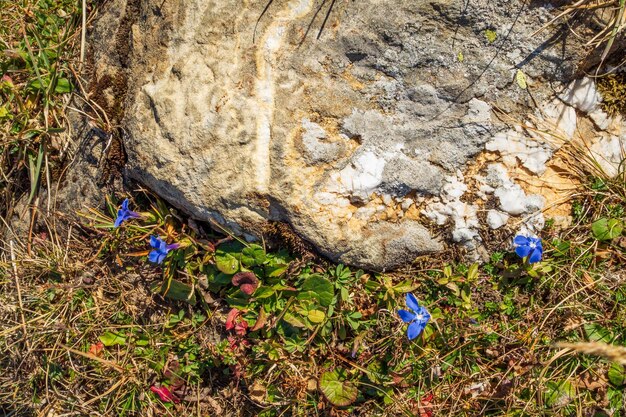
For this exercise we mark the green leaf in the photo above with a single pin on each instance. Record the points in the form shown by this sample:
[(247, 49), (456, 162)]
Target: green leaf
[(293, 320), (226, 263), (472, 272), (63, 86), (597, 333), (321, 289), (558, 393), (222, 279), (112, 339), (35, 172), (178, 291), (336, 389), (607, 229), (405, 286), (520, 78), (316, 316), (616, 374), (275, 270), (264, 292), (253, 255)]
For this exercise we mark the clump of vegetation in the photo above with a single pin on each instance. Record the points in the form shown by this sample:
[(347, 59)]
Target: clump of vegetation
[(612, 87), (163, 315), (38, 43)]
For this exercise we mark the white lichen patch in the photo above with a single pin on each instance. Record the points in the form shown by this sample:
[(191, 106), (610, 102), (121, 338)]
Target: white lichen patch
[(496, 219), (360, 177), (449, 207), (583, 95), (562, 117), (514, 146), (608, 152), (511, 197)]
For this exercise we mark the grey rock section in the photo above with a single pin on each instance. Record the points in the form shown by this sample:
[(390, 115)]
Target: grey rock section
[(304, 131)]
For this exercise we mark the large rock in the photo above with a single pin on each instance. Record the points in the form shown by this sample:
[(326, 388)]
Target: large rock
[(342, 137)]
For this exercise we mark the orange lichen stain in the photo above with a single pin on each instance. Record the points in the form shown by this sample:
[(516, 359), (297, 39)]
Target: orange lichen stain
[(553, 185), (412, 213), (352, 80)]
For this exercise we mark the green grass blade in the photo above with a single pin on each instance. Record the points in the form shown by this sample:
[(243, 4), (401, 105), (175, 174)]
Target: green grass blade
[(35, 172)]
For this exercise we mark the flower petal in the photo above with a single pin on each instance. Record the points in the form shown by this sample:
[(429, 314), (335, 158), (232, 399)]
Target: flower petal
[(155, 241), (406, 316), (535, 256), (161, 258), (424, 313), (521, 240), (411, 302), (153, 256), (119, 220), (133, 215), (125, 205), (172, 247), (415, 329), (522, 251)]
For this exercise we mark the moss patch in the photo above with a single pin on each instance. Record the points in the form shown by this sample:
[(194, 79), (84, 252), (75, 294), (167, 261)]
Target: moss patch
[(613, 90)]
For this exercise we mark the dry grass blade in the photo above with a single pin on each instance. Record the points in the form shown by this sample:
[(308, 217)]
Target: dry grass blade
[(613, 26), (613, 353)]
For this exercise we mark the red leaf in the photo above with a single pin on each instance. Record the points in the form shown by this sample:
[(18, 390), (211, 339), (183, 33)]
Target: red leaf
[(260, 321), (96, 349), (425, 408), (230, 319), (164, 394), (246, 281), (241, 328)]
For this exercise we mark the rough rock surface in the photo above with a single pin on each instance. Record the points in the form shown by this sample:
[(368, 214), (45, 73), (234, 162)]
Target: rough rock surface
[(343, 137)]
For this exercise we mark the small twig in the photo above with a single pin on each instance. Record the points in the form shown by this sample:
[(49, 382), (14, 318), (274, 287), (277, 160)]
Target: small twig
[(93, 357), (19, 293), (330, 9), (107, 392)]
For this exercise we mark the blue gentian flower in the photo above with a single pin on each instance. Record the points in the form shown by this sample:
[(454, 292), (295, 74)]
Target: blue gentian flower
[(160, 249), (528, 246), (417, 319), (124, 214)]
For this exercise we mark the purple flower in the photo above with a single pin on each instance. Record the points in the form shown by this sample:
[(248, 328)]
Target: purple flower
[(124, 214), (528, 246), (160, 249), (417, 319)]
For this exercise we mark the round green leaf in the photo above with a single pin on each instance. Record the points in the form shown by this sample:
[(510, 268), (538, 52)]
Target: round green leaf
[(253, 255), (607, 229), (316, 316), (227, 263), (617, 376), (336, 389), (321, 288)]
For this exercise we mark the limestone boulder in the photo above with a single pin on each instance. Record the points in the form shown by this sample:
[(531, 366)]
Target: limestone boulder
[(343, 129)]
